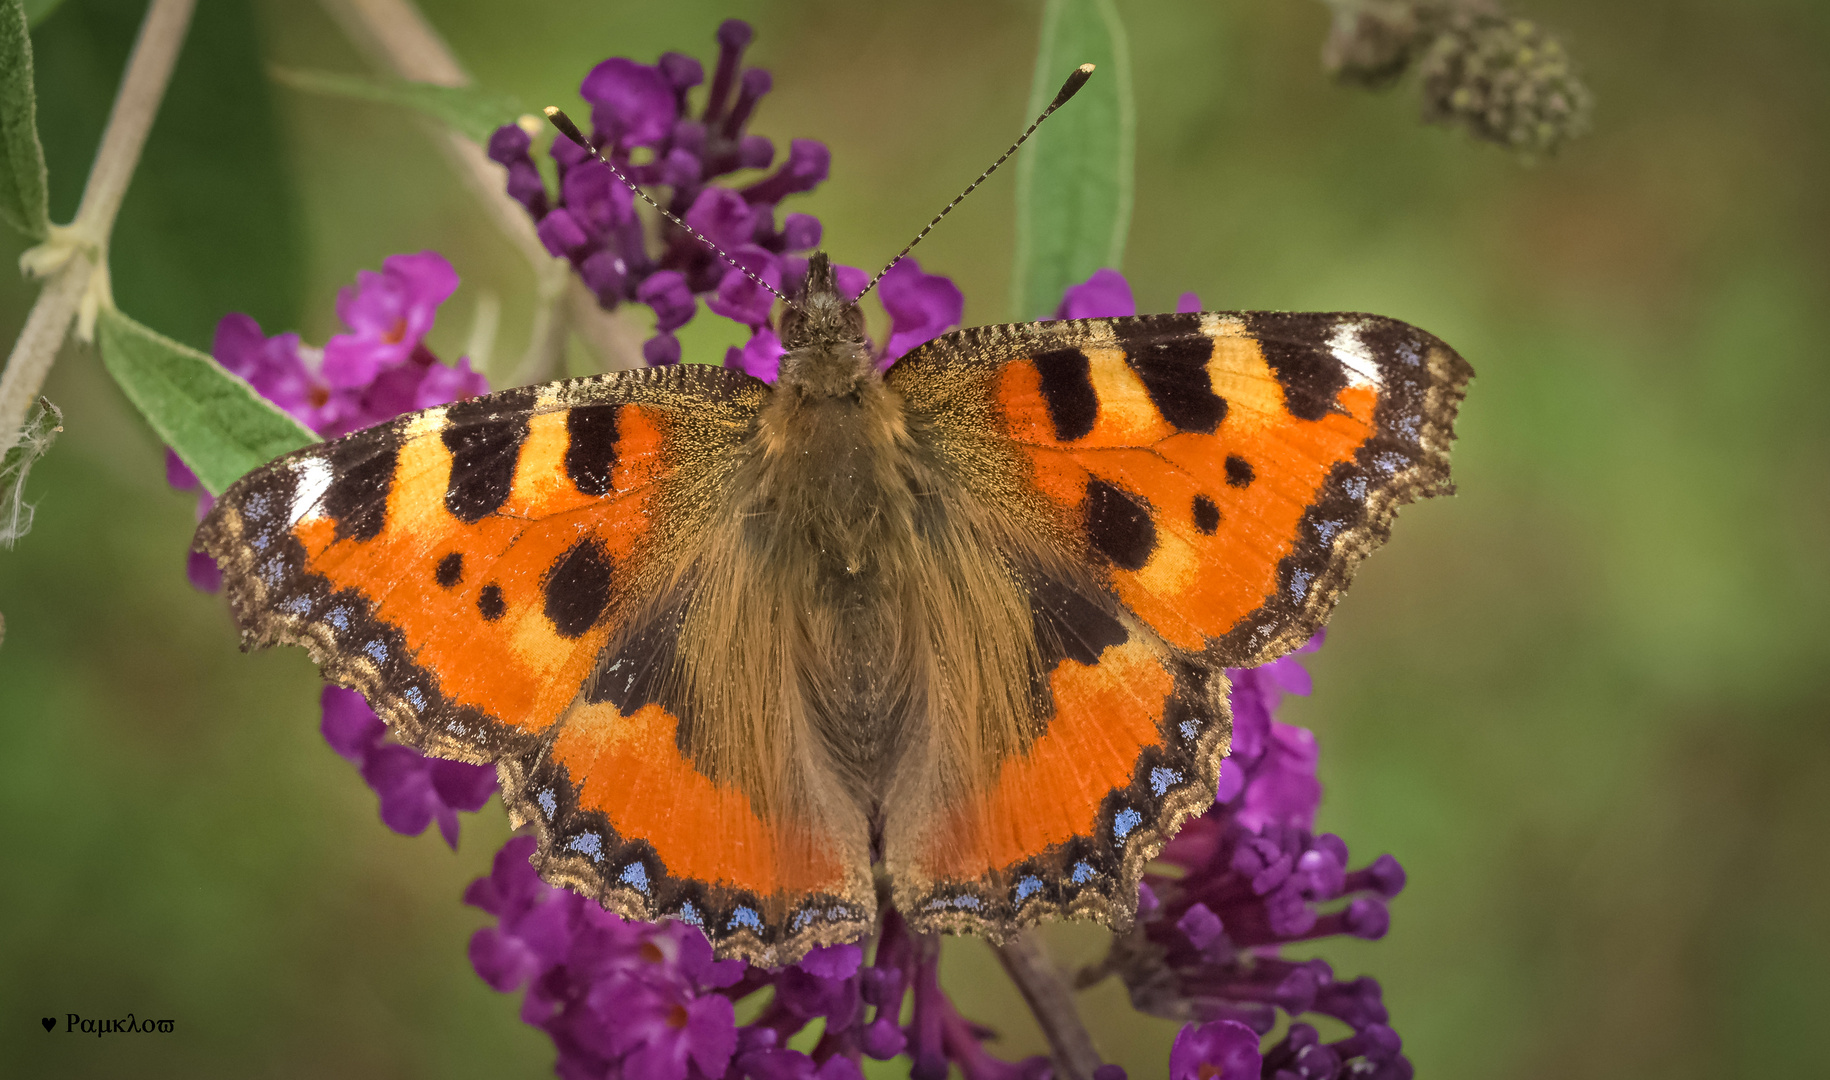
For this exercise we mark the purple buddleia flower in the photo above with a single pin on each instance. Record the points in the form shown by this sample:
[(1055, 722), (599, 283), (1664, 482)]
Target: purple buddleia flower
[(1221, 1050), (921, 307), (1101, 296), (414, 790), (690, 162), (387, 314)]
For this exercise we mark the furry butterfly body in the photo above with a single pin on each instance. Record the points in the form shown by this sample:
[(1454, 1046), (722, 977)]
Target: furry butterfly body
[(754, 656)]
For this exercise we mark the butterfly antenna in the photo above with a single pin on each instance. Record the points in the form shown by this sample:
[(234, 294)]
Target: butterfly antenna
[(1074, 82), (570, 130)]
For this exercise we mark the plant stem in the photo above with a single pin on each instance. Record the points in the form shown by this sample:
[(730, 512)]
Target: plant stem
[(1050, 999), (82, 279), (396, 37)]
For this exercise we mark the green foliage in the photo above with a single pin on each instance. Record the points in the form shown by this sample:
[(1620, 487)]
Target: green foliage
[(22, 173), (1074, 177), (468, 110), (37, 11), (215, 421)]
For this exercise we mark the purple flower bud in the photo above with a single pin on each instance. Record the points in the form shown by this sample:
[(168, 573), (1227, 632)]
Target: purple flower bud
[(350, 727), (202, 572), (1147, 902), (723, 217), (442, 385), (850, 280), (604, 273), (596, 199), (633, 104), (1232, 781), (682, 71), (1201, 926), (741, 299), (1357, 1003), (1374, 1041), (527, 188), (800, 232), (882, 1039), (921, 307), (1368, 918), (752, 86), (509, 144), (662, 350), (1221, 1050), (1187, 303), (387, 313), (1385, 876), (755, 152), (761, 356), (561, 234), (1325, 876), (733, 37), (666, 292), (681, 169), (832, 961), (808, 164), (1103, 295)]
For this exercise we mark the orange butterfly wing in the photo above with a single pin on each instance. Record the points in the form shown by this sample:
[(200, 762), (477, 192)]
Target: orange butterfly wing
[(1212, 480), (467, 568)]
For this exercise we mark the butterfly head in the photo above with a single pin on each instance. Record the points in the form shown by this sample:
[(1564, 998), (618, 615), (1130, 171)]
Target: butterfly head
[(827, 350)]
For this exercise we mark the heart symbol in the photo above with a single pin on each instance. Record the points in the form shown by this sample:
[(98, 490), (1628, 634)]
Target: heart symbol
[(49, 1022)]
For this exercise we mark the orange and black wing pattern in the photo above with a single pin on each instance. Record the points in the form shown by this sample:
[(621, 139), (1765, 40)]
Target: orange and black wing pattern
[(469, 569), (1210, 481)]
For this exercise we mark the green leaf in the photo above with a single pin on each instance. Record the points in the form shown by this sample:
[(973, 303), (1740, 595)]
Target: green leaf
[(218, 424), (37, 11), (29, 443), (22, 176), (472, 112), (1074, 178)]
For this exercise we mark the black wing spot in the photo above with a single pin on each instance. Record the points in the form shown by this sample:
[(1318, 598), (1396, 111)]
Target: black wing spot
[(591, 432), (362, 473), (490, 604), (1069, 625), (1239, 471), (1174, 374), (1119, 525), (450, 570), (1067, 391), (578, 588), (1311, 379), (1207, 515), (485, 444)]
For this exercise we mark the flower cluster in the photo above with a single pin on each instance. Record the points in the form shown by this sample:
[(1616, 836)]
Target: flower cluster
[(377, 369), (1253, 877), (1505, 80), (643, 120), (623, 998)]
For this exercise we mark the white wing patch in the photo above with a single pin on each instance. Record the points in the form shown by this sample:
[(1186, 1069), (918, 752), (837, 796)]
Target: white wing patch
[(1361, 364), (311, 479)]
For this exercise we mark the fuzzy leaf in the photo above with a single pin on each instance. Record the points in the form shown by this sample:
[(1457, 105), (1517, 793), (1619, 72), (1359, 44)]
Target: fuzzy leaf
[(218, 424), (29, 443), (472, 112), (1074, 177), (37, 11), (22, 177)]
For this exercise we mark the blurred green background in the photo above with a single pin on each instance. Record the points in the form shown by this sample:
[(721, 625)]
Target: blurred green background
[(1584, 702)]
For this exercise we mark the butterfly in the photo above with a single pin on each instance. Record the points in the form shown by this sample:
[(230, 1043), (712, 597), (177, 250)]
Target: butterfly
[(754, 656)]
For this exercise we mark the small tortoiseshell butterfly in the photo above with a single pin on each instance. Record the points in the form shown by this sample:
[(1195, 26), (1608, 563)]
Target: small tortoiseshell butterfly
[(753, 655)]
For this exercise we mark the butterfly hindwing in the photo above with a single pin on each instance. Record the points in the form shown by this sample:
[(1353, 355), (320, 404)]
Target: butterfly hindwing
[(467, 568), (1208, 482)]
